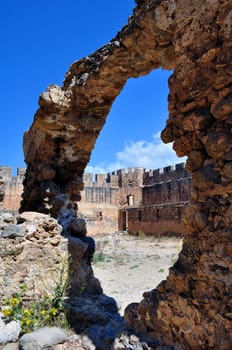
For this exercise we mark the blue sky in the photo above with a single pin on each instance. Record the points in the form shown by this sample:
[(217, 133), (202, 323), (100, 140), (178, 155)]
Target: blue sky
[(39, 41)]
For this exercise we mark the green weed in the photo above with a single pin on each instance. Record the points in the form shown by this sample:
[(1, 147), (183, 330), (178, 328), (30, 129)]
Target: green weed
[(99, 257), (48, 310), (134, 267), (161, 270)]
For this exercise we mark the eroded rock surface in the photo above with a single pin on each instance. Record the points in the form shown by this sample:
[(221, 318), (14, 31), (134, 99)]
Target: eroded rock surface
[(58, 145), (192, 309), (41, 260), (38, 257)]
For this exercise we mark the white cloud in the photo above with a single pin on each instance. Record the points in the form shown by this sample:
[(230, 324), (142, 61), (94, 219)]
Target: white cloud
[(149, 155)]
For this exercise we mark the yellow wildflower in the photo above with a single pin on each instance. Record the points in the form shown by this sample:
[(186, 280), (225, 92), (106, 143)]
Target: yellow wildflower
[(7, 312), (27, 312), (43, 312), (27, 321), (14, 301), (53, 311)]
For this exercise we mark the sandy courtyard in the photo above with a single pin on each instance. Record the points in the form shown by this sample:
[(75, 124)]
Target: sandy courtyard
[(127, 265)]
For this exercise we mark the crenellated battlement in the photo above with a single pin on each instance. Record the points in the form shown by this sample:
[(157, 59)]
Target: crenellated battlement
[(123, 188), (100, 180), (6, 174), (165, 174), (150, 198), (128, 171), (136, 176), (119, 178)]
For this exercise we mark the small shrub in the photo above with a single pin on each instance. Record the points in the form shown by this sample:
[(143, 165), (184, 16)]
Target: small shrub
[(141, 235), (161, 270), (49, 310), (98, 257), (134, 267)]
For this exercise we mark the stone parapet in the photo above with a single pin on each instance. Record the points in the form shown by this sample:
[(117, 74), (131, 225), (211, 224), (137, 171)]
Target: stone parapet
[(132, 188), (165, 174)]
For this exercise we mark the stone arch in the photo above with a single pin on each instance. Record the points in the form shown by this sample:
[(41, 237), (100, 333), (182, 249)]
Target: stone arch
[(193, 307)]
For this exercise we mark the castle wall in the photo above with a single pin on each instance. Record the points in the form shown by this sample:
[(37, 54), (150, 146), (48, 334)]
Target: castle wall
[(94, 194), (192, 308), (11, 188), (98, 204), (167, 192), (136, 200), (163, 196), (153, 220), (100, 218), (169, 173), (12, 195), (130, 182)]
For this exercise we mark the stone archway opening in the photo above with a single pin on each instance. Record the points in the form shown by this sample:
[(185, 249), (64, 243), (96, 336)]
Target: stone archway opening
[(120, 259), (192, 308), (129, 137)]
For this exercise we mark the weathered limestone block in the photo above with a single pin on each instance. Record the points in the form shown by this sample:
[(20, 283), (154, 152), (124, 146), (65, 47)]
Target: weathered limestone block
[(38, 255), (9, 332), (42, 338), (41, 255)]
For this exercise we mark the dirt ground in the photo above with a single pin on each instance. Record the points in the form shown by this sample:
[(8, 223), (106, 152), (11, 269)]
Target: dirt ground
[(127, 265)]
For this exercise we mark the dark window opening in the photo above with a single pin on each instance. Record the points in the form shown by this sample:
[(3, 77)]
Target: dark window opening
[(169, 189), (130, 200)]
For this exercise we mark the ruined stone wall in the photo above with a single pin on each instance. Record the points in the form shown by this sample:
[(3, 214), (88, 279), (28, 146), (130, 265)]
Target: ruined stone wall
[(114, 188), (167, 185), (156, 220), (168, 173), (11, 188), (33, 252), (151, 202), (99, 203), (130, 182), (58, 145), (100, 218), (105, 198), (192, 308), (136, 200), (164, 194), (102, 189)]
